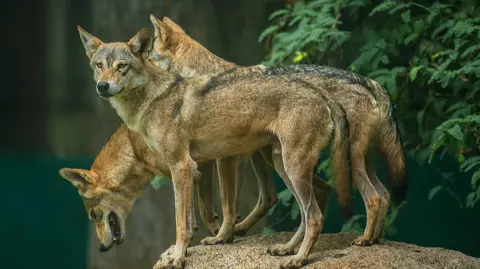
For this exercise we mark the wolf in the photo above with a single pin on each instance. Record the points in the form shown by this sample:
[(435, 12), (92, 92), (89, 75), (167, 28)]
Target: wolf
[(367, 104), (193, 120), (117, 178)]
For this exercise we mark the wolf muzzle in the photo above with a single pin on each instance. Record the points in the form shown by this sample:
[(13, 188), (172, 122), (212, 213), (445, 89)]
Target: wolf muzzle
[(106, 90), (102, 87)]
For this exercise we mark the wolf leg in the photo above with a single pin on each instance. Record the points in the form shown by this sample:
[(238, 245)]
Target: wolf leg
[(299, 156), (371, 198), (267, 196), (289, 247), (227, 168), (205, 195), (385, 201), (240, 175), (184, 173)]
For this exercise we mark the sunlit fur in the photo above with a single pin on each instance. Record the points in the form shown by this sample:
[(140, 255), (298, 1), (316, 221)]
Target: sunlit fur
[(366, 103), (295, 119)]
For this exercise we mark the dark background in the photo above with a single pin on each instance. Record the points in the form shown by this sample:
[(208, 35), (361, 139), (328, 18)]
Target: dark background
[(52, 118)]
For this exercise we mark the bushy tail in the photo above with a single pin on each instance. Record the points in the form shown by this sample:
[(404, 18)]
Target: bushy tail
[(391, 149), (340, 164)]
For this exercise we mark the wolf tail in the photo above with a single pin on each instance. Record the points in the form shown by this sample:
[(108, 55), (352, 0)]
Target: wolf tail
[(340, 164), (389, 144), (391, 149)]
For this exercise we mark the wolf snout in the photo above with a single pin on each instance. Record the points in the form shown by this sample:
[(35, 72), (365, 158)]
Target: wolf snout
[(103, 87)]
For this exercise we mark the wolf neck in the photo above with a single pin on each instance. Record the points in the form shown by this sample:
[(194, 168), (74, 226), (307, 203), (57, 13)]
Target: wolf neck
[(132, 105), (199, 60)]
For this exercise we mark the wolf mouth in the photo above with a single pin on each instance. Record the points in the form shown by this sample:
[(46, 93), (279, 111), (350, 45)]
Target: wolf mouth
[(115, 227), (107, 95)]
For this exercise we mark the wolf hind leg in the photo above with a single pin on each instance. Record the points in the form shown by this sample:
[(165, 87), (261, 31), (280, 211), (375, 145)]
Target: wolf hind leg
[(371, 197), (385, 201), (204, 197), (289, 247), (227, 168), (266, 194), (299, 158)]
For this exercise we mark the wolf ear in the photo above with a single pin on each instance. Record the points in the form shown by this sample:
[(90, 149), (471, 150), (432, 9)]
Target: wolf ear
[(163, 32), (175, 27), (90, 42), (80, 178), (140, 41)]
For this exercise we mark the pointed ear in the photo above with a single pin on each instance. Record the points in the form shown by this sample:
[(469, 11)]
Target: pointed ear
[(163, 32), (175, 27), (90, 42), (140, 41), (80, 178)]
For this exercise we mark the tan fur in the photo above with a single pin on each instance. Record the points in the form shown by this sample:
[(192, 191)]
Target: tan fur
[(366, 104), (176, 52), (122, 169), (192, 120)]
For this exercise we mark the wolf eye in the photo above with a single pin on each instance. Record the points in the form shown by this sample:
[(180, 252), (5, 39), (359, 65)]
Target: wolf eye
[(122, 65), (99, 65)]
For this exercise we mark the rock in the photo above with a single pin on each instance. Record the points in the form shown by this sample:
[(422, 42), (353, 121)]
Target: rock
[(331, 251)]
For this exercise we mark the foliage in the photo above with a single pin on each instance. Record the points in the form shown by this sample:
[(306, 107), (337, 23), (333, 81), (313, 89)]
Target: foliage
[(427, 56), (159, 182)]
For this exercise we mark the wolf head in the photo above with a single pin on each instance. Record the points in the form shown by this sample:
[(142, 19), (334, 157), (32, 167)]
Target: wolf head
[(107, 204), (117, 66), (175, 51)]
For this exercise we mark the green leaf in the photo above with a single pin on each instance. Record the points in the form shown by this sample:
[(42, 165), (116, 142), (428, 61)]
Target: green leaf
[(414, 71), (456, 132), (410, 38), (456, 106), (470, 163), (159, 181), (284, 197), (475, 179), (471, 200), (436, 145), (434, 191), (295, 211), (266, 32), (386, 5), (277, 13), (406, 17), (470, 50), (419, 26)]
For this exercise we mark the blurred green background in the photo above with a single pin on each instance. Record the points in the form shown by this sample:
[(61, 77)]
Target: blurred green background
[(52, 117)]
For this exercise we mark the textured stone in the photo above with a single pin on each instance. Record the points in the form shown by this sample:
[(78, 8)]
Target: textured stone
[(331, 251)]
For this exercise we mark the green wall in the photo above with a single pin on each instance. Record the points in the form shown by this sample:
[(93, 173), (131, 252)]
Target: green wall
[(44, 224)]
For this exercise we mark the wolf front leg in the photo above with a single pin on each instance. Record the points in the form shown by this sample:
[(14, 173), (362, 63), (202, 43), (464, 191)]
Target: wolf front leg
[(184, 172), (227, 168)]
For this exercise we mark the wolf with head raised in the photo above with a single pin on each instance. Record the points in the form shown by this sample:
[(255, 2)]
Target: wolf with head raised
[(192, 120), (367, 105)]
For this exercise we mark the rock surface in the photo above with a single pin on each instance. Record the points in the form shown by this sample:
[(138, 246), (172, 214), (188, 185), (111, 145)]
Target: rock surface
[(332, 251)]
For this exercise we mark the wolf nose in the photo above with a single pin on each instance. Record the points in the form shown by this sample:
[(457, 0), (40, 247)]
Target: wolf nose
[(103, 87)]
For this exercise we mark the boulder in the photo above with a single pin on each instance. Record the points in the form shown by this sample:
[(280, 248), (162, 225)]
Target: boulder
[(331, 251)]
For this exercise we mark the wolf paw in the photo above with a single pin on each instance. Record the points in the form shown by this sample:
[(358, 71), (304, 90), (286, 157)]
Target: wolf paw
[(361, 241), (217, 240), (293, 263), (170, 263), (168, 252), (213, 227), (280, 250)]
